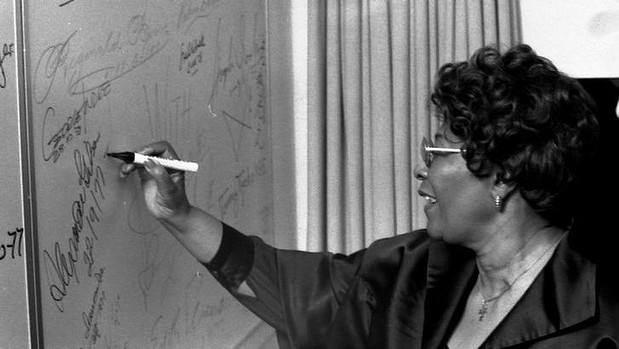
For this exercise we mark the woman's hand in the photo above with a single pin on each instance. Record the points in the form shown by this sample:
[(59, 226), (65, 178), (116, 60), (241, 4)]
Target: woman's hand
[(164, 189)]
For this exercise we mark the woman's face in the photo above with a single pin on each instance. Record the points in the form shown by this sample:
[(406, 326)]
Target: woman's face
[(458, 205)]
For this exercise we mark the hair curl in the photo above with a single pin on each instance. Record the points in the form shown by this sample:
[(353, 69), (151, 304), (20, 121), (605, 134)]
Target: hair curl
[(518, 115)]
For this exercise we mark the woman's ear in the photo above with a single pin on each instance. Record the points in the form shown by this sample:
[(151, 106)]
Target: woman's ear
[(502, 189)]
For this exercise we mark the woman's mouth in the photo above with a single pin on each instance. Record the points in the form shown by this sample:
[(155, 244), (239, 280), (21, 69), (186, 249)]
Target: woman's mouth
[(429, 199)]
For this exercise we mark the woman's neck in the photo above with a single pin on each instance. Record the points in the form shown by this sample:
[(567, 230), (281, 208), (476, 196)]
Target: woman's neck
[(510, 253)]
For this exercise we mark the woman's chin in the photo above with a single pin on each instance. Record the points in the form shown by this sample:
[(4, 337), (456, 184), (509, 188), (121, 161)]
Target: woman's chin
[(433, 232)]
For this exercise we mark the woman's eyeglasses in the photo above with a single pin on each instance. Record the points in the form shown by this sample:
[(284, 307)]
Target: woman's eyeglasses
[(428, 150)]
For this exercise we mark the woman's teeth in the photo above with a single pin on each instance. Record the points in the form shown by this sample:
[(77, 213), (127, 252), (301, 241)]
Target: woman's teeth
[(430, 199)]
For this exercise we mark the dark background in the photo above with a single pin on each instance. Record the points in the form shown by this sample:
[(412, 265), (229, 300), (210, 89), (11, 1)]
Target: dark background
[(597, 221)]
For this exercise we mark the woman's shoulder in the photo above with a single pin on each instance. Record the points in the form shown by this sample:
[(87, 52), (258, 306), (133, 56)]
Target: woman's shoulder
[(388, 259), (415, 240)]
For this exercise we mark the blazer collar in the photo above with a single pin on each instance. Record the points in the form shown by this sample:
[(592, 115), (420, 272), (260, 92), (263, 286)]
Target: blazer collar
[(450, 277), (565, 287), (428, 288)]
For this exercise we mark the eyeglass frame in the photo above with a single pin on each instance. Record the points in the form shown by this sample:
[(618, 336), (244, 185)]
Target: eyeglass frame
[(428, 150)]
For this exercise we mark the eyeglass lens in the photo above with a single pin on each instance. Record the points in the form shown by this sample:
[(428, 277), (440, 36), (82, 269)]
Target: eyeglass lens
[(425, 154)]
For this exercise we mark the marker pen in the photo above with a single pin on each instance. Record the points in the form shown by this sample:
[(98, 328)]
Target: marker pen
[(140, 159)]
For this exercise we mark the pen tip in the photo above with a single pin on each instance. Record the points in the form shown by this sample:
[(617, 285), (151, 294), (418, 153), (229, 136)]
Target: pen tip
[(125, 156)]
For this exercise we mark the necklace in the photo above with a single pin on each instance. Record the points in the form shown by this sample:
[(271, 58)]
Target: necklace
[(483, 309)]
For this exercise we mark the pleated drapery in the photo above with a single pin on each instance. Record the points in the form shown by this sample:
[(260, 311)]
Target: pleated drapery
[(371, 65)]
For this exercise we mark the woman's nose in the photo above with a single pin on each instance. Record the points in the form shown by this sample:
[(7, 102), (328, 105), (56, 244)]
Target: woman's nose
[(421, 172)]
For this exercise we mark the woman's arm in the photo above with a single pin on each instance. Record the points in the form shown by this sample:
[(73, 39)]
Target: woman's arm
[(164, 193), (296, 292)]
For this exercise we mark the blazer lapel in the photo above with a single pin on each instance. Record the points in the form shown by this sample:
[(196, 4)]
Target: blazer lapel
[(451, 276)]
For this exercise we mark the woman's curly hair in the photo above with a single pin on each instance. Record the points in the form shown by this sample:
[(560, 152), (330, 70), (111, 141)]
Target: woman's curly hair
[(517, 114)]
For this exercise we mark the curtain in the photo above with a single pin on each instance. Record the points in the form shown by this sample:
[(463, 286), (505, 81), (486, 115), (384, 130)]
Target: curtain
[(371, 65)]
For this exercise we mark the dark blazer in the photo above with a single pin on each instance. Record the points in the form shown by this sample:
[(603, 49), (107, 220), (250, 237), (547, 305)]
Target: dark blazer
[(409, 292)]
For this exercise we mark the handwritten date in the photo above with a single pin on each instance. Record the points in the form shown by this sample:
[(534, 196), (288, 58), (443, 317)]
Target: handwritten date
[(14, 244), (61, 264)]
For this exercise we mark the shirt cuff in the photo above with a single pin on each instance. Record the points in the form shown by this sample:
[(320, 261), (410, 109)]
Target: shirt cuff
[(234, 259)]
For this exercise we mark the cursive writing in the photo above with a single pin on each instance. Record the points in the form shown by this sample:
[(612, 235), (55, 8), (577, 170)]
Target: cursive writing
[(51, 61), (143, 40), (55, 139), (91, 317), (188, 320), (89, 69), (7, 51), (61, 264), (191, 55), (153, 263), (192, 10), (239, 90), (233, 196), (65, 3)]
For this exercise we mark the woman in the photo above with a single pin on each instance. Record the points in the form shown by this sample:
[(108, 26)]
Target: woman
[(495, 266)]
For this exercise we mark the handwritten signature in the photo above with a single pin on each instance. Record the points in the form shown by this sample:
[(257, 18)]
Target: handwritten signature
[(239, 79), (91, 317), (172, 328), (54, 140), (191, 55), (233, 196), (61, 265), (193, 10), (124, 51)]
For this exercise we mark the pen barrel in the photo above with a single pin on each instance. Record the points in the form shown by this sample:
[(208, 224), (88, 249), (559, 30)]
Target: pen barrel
[(168, 163)]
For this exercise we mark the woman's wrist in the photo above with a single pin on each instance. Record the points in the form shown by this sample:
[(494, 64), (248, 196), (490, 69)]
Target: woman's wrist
[(180, 219), (200, 232)]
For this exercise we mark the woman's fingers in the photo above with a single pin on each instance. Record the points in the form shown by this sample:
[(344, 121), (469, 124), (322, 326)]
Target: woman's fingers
[(161, 149)]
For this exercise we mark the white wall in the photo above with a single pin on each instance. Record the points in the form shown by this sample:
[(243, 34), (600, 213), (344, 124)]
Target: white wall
[(580, 36)]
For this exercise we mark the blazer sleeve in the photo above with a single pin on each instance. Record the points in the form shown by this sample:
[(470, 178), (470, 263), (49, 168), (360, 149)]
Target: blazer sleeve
[(297, 293)]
